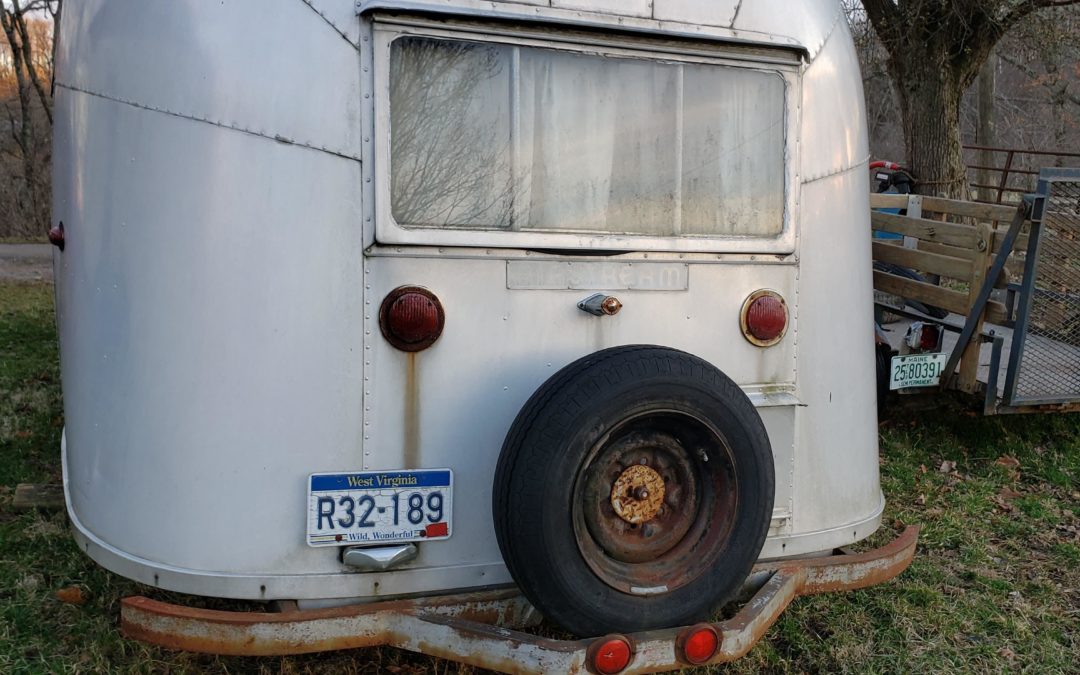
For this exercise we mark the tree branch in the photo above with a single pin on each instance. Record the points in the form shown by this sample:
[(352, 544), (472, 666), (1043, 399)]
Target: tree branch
[(885, 16), (1032, 75), (28, 56)]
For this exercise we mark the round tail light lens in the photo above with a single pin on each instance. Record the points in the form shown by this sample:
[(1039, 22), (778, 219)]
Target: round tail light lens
[(764, 318), (411, 318), (611, 655), (699, 644)]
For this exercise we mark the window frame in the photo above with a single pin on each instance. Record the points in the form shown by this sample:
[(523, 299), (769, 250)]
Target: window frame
[(388, 231)]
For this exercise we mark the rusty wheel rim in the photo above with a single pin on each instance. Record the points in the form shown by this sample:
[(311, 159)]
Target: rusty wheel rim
[(654, 502)]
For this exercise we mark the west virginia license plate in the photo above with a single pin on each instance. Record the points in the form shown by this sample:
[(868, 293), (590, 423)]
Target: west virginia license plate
[(372, 507), (917, 370)]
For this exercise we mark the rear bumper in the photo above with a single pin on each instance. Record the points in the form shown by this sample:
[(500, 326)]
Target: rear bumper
[(474, 628)]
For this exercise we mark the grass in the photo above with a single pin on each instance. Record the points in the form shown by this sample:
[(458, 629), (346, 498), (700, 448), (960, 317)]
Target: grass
[(995, 586)]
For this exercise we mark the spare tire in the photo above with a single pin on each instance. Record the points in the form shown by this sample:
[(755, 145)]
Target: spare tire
[(634, 491)]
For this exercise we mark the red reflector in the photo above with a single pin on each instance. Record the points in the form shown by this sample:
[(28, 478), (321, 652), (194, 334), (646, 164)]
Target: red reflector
[(437, 530), (767, 318), (764, 318), (700, 644), (612, 656), (411, 318)]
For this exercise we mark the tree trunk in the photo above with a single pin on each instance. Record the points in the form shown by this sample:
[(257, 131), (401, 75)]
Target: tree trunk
[(24, 136), (930, 110), (986, 132)]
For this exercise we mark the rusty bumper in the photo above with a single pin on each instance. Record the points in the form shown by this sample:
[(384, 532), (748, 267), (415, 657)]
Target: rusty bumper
[(474, 628)]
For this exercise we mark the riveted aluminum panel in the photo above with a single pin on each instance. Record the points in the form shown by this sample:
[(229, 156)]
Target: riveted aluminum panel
[(808, 21), (641, 8), (719, 13), (602, 15), (274, 68), (210, 334), (341, 14), (836, 460), (834, 108)]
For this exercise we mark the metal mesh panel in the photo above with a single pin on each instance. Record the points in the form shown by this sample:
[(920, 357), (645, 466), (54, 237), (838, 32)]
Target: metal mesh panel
[(1049, 366)]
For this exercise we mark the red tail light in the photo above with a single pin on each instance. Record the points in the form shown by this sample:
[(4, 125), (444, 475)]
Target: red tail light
[(929, 338), (699, 644), (610, 655), (764, 318), (411, 318)]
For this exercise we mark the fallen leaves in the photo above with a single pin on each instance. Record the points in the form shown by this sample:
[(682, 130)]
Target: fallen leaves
[(1002, 499), (948, 466), (1011, 464), (1008, 461), (1009, 493), (72, 595)]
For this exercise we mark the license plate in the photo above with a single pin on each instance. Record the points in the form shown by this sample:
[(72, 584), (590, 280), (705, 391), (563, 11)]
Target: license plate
[(917, 370), (373, 507)]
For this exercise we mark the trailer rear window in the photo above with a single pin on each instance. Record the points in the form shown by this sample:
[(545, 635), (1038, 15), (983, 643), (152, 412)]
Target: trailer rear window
[(502, 137)]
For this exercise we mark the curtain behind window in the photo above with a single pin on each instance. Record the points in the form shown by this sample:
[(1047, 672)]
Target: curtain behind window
[(501, 137)]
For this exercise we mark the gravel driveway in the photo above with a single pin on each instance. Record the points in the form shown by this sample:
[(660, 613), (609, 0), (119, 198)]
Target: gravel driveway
[(26, 262)]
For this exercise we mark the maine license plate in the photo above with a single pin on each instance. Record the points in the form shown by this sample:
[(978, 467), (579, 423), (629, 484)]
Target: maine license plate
[(379, 507), (917, 370)]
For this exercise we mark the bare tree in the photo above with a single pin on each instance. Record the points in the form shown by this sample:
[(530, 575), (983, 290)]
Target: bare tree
[(28, 27), (1046, 51), (935, 51)]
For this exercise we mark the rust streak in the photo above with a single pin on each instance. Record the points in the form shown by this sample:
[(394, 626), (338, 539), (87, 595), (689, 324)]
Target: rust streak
[(411, 423)]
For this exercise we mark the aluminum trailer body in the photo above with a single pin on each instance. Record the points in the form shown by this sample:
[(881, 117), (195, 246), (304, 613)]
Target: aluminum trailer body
[(225, 176)]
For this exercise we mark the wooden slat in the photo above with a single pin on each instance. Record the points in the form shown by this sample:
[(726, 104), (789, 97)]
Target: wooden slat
[(968, 379), (999, 236), (1014, 265), (928, 294), (946, 250), (978, 210), (921, 228), (38, 496), (923, 261), (882, 200)]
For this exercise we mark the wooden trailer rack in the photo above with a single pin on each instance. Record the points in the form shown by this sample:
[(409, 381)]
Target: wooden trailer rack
[(1009, 278)]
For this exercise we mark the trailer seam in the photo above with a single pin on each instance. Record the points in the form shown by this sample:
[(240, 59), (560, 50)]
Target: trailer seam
[(735, 16), (832, 29), (195, 118), (334, 26), (837, 172)]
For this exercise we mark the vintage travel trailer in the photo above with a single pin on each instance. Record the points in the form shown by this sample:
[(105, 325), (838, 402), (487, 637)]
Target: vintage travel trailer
[(421, 316)]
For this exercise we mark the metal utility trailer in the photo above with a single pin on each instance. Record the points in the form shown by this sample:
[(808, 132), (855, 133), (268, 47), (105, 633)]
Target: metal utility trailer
[(361, 303), (1012, 335)]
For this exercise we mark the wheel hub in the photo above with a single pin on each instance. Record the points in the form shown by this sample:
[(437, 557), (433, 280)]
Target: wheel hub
[(638, 494), (641, 496)]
